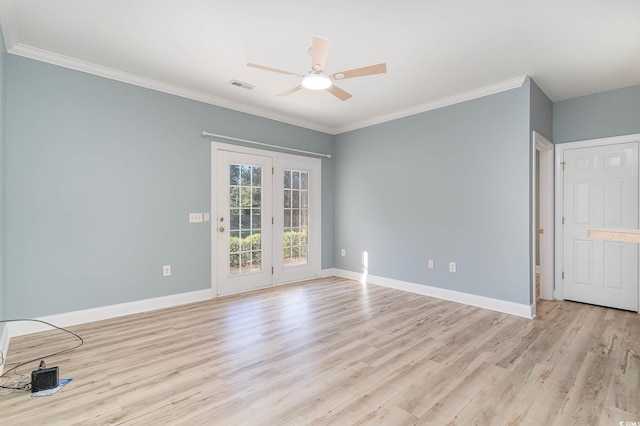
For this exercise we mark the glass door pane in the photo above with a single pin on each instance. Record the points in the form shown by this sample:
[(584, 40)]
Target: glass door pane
[(245, 211), (295, 241)]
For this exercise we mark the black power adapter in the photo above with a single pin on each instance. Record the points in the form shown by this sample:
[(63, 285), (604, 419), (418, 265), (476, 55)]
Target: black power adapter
[(44, 378)]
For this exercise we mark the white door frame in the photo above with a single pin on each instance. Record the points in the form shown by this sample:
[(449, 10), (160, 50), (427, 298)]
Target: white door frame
[(545, 148), (560, 148), (278, 157)]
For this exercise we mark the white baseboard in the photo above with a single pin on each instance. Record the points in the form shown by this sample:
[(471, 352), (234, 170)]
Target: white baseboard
[(106, 312), (350, 275), (525, 311), (332, 272), (4, 346)]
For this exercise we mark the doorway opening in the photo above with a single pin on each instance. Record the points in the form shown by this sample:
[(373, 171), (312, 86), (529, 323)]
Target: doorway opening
[(543, 229)]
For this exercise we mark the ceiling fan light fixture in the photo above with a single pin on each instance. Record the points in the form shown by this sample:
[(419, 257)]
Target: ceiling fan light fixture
[(313, 81)]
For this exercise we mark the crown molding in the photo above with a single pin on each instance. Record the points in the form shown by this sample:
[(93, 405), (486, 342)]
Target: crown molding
[(124, 77), (491, 89), (9, 31)]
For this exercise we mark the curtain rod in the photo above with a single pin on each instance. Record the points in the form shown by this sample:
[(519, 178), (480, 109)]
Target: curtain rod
[(213, 135)]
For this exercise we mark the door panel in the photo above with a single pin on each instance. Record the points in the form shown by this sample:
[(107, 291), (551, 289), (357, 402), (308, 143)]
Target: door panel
[(613, 265), (583, 255), (600, 192), (243, 222), (297, 219)]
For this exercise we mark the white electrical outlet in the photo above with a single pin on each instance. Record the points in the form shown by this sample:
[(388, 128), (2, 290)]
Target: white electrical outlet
[(166, 271), (452, 266), (430, 264), (342, 252), (195, 217), (206, 217)]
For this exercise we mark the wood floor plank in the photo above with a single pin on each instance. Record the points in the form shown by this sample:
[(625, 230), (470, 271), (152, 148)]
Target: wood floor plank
[(334, 351)]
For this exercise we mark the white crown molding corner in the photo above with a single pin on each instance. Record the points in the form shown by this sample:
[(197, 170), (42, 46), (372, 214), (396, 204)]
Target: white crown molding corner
[(124, 77), (480, 92), (503, 306), (8, 23), (107, 312), (4, 346)]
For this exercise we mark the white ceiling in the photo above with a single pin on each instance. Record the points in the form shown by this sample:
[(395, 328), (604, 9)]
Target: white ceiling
[(434, 49)]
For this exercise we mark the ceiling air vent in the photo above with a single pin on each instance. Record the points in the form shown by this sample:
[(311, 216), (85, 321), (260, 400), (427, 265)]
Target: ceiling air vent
[(241, 84)]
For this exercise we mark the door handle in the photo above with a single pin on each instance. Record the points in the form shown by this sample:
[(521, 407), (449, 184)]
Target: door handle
[(221, 229), (540, 231)]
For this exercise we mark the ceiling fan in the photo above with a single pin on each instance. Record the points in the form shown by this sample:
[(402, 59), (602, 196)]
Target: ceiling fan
[(316, 79)]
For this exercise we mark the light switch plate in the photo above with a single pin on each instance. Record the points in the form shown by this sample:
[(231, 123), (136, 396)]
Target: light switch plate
[(195, 217)]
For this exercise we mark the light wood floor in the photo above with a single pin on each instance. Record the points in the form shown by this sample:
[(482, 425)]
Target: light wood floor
[(336, 352)]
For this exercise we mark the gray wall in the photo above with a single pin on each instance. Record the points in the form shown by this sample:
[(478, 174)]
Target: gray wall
[(451, 184), (541, 112), (612, 113), (3, 59), (542, 123), (100, 179)]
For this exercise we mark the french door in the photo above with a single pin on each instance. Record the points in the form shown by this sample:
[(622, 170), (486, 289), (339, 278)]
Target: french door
[(267, 225)]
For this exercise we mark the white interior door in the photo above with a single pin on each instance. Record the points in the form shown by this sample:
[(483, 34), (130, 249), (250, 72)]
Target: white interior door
[(600, 191), (244, 222)]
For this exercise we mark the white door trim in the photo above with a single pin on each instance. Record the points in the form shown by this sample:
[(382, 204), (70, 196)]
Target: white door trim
[(545, 147), (560, 148)]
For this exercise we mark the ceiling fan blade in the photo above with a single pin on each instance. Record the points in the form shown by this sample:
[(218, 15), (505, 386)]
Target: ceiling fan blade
[(290, 91), (262, 67), (361, 72), (339, 93), (319, 53)]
